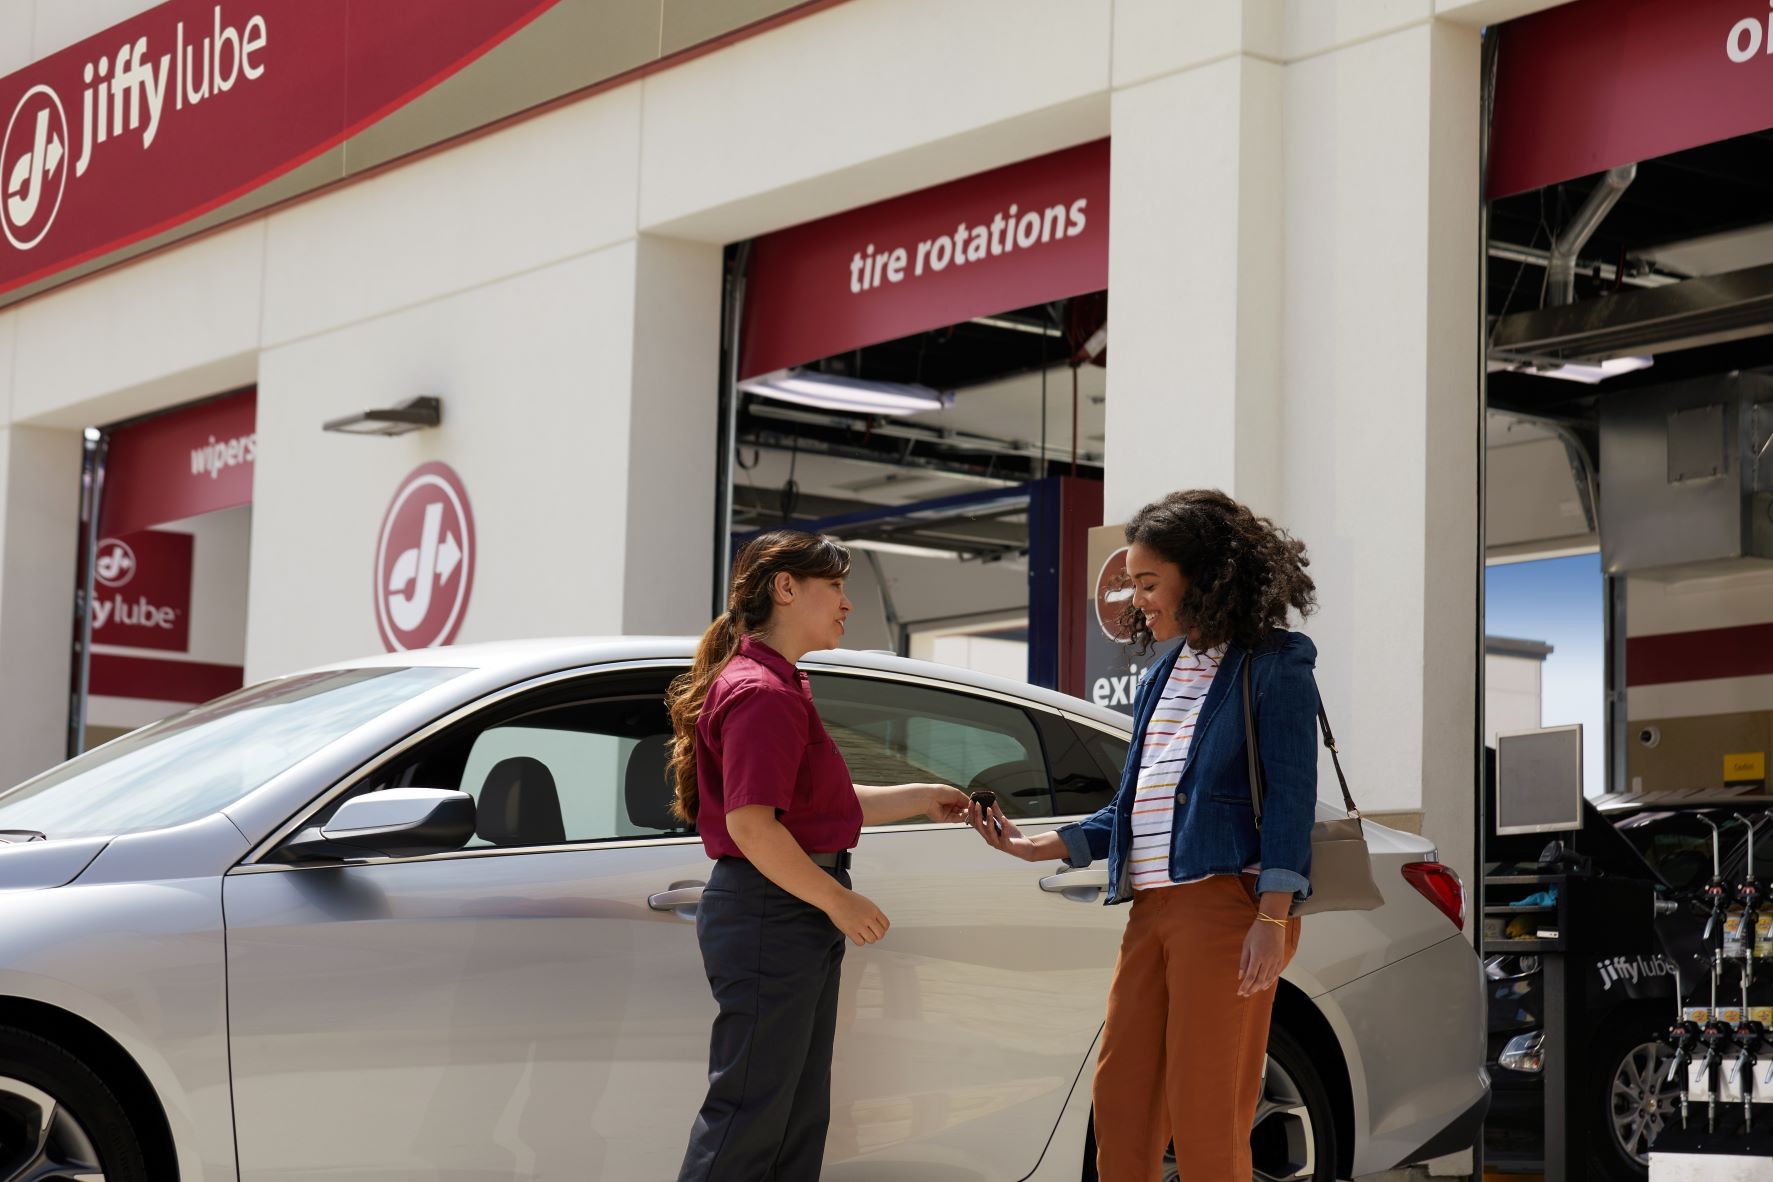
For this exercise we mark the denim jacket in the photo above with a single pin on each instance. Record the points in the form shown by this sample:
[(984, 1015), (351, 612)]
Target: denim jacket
[(1215, 827)]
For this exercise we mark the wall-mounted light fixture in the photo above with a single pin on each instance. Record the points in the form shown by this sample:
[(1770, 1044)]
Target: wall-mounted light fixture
[(415, 414)]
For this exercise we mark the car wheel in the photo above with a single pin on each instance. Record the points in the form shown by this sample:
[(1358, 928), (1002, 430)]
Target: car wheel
[(1632, 1098), (58, 1120)]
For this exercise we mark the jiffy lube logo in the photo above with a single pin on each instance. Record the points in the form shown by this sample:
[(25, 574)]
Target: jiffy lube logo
[(424, 560), (115, 563), (126, 97)]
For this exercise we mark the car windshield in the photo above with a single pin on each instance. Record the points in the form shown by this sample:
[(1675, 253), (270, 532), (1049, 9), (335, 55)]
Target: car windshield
[(195, 763)]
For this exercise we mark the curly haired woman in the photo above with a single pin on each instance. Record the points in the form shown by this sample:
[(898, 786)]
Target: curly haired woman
[(1209, 934)]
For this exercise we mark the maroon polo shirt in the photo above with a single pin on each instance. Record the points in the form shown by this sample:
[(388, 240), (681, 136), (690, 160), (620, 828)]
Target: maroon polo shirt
[(760, 741)]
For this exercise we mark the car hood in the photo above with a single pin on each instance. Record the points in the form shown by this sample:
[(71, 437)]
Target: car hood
[(35, 865)]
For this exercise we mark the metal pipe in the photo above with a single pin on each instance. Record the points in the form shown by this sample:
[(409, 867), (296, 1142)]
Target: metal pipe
[(1535, 257), (1560, 276)]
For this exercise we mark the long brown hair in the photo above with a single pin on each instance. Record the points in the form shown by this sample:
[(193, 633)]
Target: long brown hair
[(1244, 572), (748, 608)]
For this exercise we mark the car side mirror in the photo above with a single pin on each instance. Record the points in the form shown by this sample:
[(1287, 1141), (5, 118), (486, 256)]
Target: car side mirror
[(395, 823)]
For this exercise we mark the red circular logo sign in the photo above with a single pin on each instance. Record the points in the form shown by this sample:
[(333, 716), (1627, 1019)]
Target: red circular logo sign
[(1114, 590), (425, 560), (34, 164), (114, 564)]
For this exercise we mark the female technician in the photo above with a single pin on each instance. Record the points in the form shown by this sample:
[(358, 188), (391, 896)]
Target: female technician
[(774, 803), (1184, 1046)]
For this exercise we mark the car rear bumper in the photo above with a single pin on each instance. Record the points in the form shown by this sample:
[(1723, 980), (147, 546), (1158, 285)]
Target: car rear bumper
[(1414, 1032)]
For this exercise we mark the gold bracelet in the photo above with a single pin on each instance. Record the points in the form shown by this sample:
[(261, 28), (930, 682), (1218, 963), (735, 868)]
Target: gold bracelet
[(1271, 919)]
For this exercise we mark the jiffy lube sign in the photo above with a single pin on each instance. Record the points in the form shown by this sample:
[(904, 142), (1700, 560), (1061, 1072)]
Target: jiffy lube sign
[(1018, 235), (191, 104), (425, 560)]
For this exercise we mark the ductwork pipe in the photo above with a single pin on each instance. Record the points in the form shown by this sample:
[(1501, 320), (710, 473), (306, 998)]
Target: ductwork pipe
[(1560, 279)]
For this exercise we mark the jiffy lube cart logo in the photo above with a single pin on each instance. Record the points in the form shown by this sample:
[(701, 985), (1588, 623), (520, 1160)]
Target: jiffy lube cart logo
[(126, 97), (424, 561)]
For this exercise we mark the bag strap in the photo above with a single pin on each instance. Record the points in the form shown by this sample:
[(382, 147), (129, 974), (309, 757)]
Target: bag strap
[(1258, 781)]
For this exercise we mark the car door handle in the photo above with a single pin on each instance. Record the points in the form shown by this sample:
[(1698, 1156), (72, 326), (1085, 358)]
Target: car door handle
[(681, 898), (1080, 886)]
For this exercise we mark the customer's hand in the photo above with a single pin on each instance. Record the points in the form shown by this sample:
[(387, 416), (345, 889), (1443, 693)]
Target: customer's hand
[(946, 803), (1000, 832), (1265, 954), (857, 917)]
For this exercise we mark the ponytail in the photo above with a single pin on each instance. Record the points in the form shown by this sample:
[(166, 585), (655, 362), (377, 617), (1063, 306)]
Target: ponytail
[(684, 700), (748, 609)]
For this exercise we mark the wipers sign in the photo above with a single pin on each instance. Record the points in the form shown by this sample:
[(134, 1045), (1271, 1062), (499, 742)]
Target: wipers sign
[(196, 103)]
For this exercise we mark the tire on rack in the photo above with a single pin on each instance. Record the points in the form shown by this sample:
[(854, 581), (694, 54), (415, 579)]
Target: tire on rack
[(1627, 1096), (1294, 1137), (60, 1122)]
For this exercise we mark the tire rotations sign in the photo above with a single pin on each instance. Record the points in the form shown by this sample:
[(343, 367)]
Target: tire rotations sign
[(1019, 235), (195, 103), (425, 559)]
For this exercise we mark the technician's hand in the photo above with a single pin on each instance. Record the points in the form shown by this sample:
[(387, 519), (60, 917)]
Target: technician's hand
[(1000, 832), (857, 917), (1264, 956), (945, 803)]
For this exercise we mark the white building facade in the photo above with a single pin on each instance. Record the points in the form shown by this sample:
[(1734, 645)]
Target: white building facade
[(1294, 264)]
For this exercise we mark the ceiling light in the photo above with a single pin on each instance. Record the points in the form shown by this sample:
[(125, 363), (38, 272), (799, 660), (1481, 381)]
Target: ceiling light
[(412, 415), (1576, 371), (1040, 330), (833, 392), (882, 547)]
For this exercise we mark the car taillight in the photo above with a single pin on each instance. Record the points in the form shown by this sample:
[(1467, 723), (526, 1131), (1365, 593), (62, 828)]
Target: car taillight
[(1440, 886)]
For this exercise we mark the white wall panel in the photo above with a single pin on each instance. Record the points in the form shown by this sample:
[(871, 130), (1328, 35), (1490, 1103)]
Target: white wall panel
[(1157, 37), (534, 373), (17, 19), (780, 128), (1194, 274), (543, 190), (39, 515), (61, 23), (8, 353), (1317, 26), (170, 328)]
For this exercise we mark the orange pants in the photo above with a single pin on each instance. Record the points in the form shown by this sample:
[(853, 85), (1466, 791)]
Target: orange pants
[(1182, 1054)]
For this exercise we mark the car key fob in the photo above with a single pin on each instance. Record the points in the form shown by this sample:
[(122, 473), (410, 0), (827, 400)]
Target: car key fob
[(985, 799)]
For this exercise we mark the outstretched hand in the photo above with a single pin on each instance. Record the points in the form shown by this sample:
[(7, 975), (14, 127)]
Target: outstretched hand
[(999, 831), (946, 804)]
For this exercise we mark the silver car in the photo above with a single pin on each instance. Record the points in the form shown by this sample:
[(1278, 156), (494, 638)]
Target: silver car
[(426, 916)]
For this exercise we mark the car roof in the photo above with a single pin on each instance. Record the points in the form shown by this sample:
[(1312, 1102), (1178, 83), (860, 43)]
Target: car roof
[(519, 660)]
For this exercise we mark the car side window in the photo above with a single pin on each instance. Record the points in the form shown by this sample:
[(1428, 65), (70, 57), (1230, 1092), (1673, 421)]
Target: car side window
[(1086, 765), (547, 771), (893, 732)]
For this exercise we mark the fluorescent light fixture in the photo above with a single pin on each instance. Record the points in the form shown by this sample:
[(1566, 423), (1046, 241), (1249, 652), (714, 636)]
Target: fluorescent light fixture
[(412, 415), (1575, 371), (1039, 330), (833, 392), (905, 548)]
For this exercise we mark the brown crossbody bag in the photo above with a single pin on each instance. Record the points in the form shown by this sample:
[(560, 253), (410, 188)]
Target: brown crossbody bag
[(1341, 869)]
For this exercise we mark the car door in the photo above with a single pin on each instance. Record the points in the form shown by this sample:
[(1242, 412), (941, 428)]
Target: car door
[(963, 1032), (512, 1010)]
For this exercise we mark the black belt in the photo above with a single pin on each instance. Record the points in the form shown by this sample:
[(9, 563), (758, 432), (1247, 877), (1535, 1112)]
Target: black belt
[(838, 861)]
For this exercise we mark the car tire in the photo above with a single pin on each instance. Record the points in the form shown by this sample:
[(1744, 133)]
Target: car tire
[(1628, 1095), (58, 1120), (1294, 1137)]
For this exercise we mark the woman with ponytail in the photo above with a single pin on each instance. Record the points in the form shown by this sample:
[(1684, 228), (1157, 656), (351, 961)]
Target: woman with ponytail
[(773, 800)]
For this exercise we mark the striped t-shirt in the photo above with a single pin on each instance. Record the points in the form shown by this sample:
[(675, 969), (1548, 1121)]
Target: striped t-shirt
[(1162, 760)]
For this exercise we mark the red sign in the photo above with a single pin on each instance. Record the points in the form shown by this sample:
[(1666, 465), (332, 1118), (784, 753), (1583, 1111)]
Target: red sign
[(1114, 591), (1597, 83), (194, 460), (141, 591), (424, 561), (196, 102), (116, 675), (1016, 236)]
